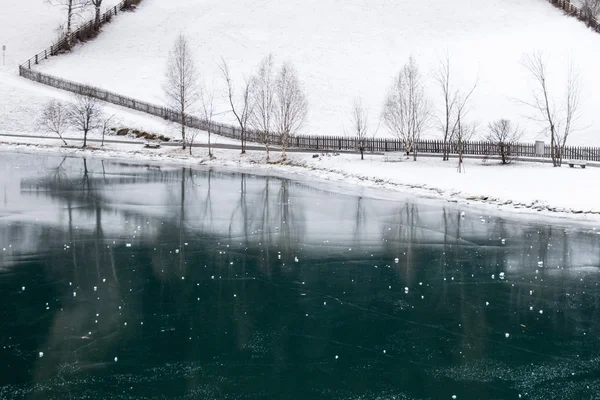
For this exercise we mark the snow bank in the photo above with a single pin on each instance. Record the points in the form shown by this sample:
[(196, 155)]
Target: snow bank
[(525, 187)]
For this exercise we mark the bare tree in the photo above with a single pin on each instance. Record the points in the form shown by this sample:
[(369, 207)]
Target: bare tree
[(462, 130), (590, 9), (463, 133), (207, 100), (181, 84), (97, 5), (407, 110), (240, 107), (359, 118), (446, 123), (55, 118), (262, 118), (104, 127), (85, 114), (558, 121), (73, 9), (291, 108), (503, 134), (191, 137)]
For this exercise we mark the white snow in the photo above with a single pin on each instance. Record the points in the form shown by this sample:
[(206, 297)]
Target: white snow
[(349, 49)]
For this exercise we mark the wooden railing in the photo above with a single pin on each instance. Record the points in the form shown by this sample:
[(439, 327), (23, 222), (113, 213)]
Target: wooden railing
[(578, 13)]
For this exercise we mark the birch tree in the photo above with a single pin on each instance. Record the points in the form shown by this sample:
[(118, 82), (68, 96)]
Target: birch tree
[(73, 9), (359, 119), (559, 120), (207, 101), (262, 117), (181, 81), (443, 79), (463, 131), (407, 110), (55, 119), (240, 104), (291, 106)]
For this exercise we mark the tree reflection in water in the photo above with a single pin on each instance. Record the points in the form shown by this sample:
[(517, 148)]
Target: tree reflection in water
[(224, 284)]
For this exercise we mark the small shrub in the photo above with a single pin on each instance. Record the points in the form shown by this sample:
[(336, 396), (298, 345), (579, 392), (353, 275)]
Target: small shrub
[(123, 132)]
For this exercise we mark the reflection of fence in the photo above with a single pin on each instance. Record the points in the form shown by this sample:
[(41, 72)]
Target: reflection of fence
[(82, 33), (580, 14)]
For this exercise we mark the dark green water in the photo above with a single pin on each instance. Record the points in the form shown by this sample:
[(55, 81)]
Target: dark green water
[(126, 281)]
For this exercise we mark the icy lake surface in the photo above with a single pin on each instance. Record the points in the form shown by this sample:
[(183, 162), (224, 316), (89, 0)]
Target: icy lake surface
[(129, 281)]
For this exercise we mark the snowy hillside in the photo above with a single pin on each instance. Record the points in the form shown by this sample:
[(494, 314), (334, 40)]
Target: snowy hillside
[(348, 49), (26, 28)]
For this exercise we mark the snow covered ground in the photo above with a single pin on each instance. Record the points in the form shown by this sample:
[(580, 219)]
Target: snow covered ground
[(349, 49), (529, 188)]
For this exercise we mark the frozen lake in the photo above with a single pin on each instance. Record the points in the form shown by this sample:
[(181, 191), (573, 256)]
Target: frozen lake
[(131, 281)]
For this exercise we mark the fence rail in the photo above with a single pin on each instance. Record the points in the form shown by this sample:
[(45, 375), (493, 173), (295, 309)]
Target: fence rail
[(582, 15)]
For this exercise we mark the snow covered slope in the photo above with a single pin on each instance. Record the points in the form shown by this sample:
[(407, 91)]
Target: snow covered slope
[(344, 49), (26, 28)]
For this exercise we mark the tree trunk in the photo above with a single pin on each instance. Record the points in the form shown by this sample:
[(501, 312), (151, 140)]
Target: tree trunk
[(284, 147), (97, 21), (414, 152), (209, 150), (362, 151), (267, 150), (183, 128), (69, 17), (445, 150), (85, 138)]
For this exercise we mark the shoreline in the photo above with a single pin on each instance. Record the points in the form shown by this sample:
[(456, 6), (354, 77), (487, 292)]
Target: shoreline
[(324, 177)]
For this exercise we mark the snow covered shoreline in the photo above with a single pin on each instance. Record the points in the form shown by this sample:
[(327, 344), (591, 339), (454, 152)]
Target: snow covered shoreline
[(523, 189)]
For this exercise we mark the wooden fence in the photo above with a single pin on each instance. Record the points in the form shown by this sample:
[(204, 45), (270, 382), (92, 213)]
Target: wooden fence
[(578, 13), (317, 143)]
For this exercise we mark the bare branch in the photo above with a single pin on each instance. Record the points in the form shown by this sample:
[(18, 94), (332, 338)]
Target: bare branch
[(85, 114), (359, 119), (241, 107), (55, 119), (503, 134), (181, 81), (407, 110), (558, 122), (291, 106)]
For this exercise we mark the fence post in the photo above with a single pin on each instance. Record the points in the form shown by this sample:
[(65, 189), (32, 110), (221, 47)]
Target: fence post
[(36, 59)]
